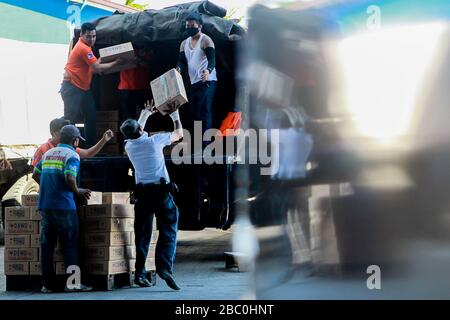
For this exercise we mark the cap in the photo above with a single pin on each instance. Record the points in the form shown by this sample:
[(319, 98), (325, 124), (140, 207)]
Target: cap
[(70, 131)]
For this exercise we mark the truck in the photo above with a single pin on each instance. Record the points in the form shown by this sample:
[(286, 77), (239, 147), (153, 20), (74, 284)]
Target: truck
[(204, 199)]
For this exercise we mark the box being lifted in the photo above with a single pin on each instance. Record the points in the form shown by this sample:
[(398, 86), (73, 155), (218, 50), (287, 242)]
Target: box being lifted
[(123, 50), (168, 88)]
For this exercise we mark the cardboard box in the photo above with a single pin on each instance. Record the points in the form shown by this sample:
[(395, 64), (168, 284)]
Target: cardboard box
[(60, 268), (168, 88), (150, 264), (35, 241), (35, 268), (16, 268), (109, 267), (101, 127), (58, 255), (17, 213), (21, 254), (21, 227), (34, 214), (107, 116), (107, 225), (30, 200), (96, 198), (124, 50), (107, 239), (116, 198), (109, 253), (17, 241), (109, 211)]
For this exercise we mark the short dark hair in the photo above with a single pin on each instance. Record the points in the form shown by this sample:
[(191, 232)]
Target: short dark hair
[(195, 16), (87, 27), (130, 128), (57, 124)]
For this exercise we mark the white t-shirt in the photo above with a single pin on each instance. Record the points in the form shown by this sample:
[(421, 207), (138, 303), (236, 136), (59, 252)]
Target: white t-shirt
[(146, 155)]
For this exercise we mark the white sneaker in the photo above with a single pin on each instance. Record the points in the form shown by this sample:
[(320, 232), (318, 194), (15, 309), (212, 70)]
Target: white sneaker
[(46, 290), (78, 288)]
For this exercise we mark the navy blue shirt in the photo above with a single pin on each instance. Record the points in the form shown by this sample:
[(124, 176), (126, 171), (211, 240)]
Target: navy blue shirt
[(54, 193)]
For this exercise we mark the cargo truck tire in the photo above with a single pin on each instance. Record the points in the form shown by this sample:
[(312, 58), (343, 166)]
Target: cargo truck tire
[(13, 197)]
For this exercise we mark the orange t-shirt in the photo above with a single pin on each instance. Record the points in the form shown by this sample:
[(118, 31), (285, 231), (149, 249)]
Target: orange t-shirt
[(134, 79), (79, 65), (43, 148), (137, 78)]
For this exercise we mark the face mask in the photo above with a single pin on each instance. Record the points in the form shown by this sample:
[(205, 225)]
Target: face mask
[(192, 31)]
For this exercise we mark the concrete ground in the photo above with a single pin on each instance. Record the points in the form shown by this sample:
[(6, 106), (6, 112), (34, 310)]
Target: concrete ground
[(199, 271)]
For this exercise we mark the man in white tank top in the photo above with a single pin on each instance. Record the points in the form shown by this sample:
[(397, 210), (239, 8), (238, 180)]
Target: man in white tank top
[(197, 55)]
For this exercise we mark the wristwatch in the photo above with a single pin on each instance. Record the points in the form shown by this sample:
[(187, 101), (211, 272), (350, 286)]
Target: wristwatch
[(209, 70)]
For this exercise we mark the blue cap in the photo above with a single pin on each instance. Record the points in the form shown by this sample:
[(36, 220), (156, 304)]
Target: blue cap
[(70, 131)]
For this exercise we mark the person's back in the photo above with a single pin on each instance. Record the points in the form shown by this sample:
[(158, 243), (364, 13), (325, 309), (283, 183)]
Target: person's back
[(146, 155), (153, 198), (55, 194)]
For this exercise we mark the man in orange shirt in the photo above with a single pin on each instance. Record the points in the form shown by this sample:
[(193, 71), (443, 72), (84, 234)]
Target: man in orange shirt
[(134, 86), (55, 128), (75, 91)]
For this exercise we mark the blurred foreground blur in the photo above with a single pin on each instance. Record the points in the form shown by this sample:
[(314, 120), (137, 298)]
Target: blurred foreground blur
[(358, 92)]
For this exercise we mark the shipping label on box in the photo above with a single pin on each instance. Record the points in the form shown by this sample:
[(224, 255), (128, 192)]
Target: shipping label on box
[(21, 254), (108, 267), (21, 227), (104, 253), (116, 198), (167, 89), (109, 211), (34, 214), (35, 268), (107, 239), (108, 225), (17, 241), (30, 200), (17, 213), (96, 198), (35, 241), (16, 268), (108, 116), (124, 50)]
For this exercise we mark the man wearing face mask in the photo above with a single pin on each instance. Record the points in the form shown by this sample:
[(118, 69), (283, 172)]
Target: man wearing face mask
[(197, 54)]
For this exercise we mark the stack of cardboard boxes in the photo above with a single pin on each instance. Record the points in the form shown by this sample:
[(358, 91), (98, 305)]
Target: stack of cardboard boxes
[(22, 238), (106, 231), (108, 236), (109, 120)]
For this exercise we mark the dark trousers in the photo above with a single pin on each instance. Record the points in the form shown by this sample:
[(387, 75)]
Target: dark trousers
[(200, 104), (150, 201), (64, 225), (79, 106), (132, 101)]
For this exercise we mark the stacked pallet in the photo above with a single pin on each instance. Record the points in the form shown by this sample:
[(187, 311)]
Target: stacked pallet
[(106, 230), (108, 236), (108, 250), (109, 120), (22, 238)]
